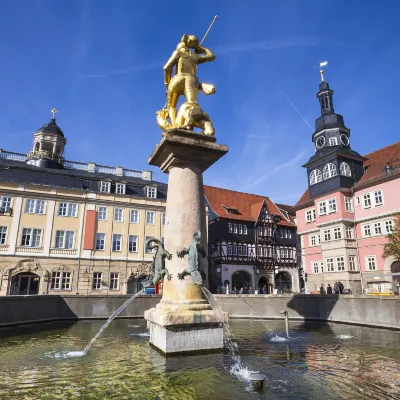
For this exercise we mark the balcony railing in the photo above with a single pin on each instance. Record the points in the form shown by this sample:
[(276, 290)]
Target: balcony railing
[(4, 248), (25, 249), (48, 155), (65, 252)]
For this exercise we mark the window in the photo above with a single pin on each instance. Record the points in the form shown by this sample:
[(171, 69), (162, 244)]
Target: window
[(344, 169), (313, 241), (31, 237), (244, 230), (377, 228), (378, 197), (367, 230), (60, 280), (163, 215), (371, 263), (133, 243), (321, 267), (134, 216), (234, 249), (118, 214), (310, 215), (329, 264), (332, 205), (5, 202), (64, 239), (329, 171), (152, 192), (321, 208), (116, 242), (315, 176), (68, 210), (315, 267), (327, 235), (230, 229), (349, 232), (367, 200), (114, 281), (235, 228), (229, 249), (340, 263), (35, 206), (337, 233), (146, 249), (120, 188), (150, 217), (333, 141), (97, 279), (389, 226), (239, 249), (3, 235), (102, 213), (105, 187), (240, 229), (358, 200), (352, 263), (318, 240), (348, 204), (100, 241)]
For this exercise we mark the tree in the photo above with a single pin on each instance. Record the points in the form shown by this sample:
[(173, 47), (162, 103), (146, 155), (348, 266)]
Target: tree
[(392, 247)]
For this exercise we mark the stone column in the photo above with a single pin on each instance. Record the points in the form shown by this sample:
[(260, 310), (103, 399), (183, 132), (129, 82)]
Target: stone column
[(183, 320)]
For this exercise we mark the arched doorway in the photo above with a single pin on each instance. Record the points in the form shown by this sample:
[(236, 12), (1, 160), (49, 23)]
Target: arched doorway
[(283, 282), (140, 283), (25, 283), (395, 269), (263, 281), (134, 285), (241, 279)]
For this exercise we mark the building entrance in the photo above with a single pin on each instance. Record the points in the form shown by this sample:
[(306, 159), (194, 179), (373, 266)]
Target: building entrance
[(283, 282), (25, 283), (241, 279), (263, 281)]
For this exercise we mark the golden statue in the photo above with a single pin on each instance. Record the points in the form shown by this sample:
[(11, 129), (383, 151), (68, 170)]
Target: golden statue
[(188, 54)]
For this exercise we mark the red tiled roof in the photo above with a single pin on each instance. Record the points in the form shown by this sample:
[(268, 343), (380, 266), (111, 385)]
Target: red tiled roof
[(374, 167), (248, 205), (289, 209)]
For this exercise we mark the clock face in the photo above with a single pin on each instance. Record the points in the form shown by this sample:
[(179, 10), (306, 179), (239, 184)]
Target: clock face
[(344, 139), (320, 142)]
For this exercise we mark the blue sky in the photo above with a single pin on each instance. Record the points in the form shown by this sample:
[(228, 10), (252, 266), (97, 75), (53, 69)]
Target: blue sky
[(100, 63)]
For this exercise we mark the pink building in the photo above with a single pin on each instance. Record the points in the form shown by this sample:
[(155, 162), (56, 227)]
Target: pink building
[(348, 209)]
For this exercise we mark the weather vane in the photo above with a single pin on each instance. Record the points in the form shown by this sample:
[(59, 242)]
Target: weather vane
[(54, 111)]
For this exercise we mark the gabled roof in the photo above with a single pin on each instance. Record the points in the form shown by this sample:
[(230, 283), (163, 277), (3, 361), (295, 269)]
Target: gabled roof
[(374, 166), (248, 205)]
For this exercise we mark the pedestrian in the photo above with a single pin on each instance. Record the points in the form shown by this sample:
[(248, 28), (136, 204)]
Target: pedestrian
[(321, 289), (250, 290), (341, 287), (241, 291), (329, 289), (336, 288), (264, 289)]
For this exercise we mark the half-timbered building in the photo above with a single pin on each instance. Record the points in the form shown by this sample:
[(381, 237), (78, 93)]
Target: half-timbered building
[(252, 243)]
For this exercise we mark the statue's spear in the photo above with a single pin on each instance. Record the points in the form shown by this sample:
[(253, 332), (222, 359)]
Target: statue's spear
[(208, 30)]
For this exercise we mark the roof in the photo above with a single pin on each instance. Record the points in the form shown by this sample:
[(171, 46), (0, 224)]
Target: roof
[(248, 205), (51, 127), (17, 172), (374, 166)]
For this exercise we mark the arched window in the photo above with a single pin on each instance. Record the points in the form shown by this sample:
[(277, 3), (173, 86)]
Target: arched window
[(344, 169), (315, 176), (329, 171)]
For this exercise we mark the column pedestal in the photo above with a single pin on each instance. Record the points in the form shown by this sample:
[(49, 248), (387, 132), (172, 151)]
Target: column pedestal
[(184, 321)]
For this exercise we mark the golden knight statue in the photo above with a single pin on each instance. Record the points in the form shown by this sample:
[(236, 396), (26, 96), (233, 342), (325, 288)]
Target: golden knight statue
[(188, 54)]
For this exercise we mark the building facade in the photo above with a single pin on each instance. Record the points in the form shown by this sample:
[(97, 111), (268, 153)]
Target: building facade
[(74, 227), (252, 243), (347, 211)]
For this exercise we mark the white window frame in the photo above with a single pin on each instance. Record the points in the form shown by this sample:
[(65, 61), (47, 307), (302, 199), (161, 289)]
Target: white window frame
[(132, 214), (240, 229), (120, 188), (330, 264), (244, 229), (333, 141), (61, 280), (6, 203), (97, 281), (66, 209), (3, 235), (230, 227), (349, 232), (352, 263), (366, 230), (101, 240), (378, 194), (118, 214), (310, 215), (229, 249), (340, 264), (105, 187), (327, 232), (151, 219), (163, 218), (337, 233), (235, 228), (136, 241), (116, 245), (367, 201), (329, 171), (369, 261), (151, 192), (315, 267), (344, 169), (388, 223), (378, 228), (38, 206), (102, 213), (63, 236), (321, 267), (322, 209), (315, 176), (332, 206), (348, 204), (358, 201), (114, 281), (313, 240), (31, 236)]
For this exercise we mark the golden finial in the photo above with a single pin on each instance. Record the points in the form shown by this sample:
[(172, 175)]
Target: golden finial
[(322, 64), (54, 112)]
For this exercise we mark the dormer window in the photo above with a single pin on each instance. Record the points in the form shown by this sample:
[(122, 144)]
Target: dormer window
[(231, 210), (151, 192), (105, 187), (120, 188)]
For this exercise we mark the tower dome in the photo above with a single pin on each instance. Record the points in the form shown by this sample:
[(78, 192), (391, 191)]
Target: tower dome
[(48, 146)]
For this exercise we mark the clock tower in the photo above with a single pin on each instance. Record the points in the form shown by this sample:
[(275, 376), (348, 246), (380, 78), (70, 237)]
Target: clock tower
[(334, 165)]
